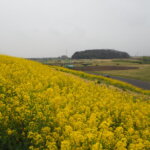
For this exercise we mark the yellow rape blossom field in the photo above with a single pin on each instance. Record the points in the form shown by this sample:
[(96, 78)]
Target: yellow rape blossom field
[(42, 108)]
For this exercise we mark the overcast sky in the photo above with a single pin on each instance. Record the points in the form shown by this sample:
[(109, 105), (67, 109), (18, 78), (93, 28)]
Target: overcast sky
[(50, 28)]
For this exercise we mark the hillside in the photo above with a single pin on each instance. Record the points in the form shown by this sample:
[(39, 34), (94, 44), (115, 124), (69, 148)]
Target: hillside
[(100, 54), (43, 108)]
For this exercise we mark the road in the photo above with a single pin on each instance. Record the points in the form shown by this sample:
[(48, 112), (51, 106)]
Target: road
[(142, 84)]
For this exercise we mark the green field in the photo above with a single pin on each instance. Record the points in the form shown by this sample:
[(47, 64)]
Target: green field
[(143, 73)]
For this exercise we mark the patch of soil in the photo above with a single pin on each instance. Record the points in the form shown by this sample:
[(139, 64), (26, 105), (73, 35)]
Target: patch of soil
[(101, 68)]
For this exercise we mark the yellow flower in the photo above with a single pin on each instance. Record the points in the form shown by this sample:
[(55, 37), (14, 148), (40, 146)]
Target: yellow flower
[(10, 132), (65, 145), (45, 130)]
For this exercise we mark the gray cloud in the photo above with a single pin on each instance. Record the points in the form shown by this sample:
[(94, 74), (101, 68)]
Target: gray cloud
[(38, 28)]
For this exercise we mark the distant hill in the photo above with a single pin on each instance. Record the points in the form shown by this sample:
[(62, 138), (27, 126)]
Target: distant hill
[(100, 54)]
